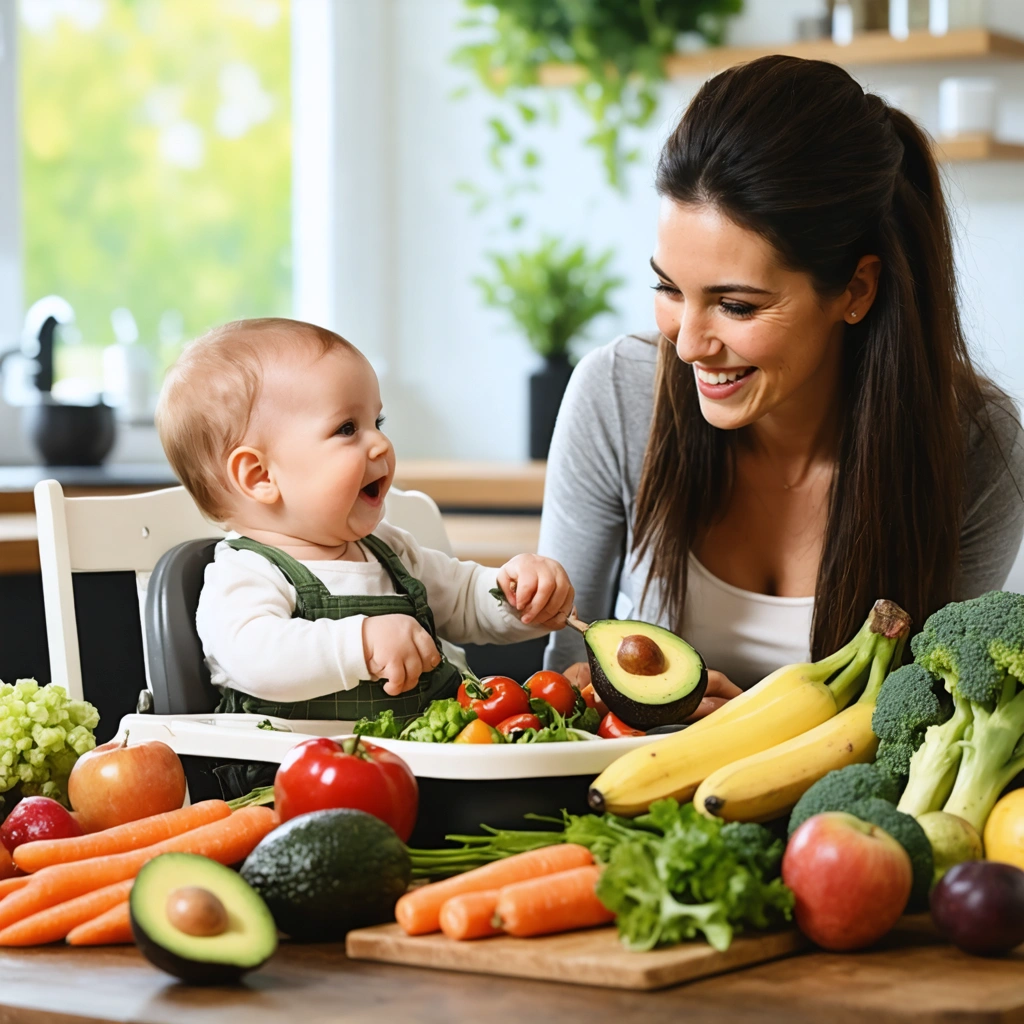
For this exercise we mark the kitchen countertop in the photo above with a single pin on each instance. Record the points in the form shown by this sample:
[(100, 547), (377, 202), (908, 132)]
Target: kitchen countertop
[(900, 981), (452, 484), (126, 474)]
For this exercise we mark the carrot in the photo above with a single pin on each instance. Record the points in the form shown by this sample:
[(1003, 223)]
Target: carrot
[(467, 916), (112, 928), (553, 903), (418, 912), (9, 885), (55, 922), (8, 869), (228, 841), (121, 838)]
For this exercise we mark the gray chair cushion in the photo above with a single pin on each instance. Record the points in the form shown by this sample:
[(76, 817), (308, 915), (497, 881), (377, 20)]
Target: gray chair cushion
[(177, 672)]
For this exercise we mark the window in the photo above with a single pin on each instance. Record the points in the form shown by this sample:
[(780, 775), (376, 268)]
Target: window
[(156, 168)]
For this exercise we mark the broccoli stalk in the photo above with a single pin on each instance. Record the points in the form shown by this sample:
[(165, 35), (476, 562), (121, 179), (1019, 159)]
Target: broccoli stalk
[(933, 766), (993, 753), (977, 648)]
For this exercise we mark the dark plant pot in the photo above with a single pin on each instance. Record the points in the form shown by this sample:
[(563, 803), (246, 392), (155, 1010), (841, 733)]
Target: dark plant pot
[(69, 435), (547, 386)]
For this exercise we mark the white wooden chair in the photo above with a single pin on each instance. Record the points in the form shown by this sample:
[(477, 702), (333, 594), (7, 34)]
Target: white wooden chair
[(131, 533)]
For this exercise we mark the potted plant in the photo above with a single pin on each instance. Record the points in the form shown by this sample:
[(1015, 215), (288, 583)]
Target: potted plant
[(617, 49), (551, 293)]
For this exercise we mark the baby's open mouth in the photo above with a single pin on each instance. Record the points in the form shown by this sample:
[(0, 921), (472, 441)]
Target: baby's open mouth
[(372, 490)]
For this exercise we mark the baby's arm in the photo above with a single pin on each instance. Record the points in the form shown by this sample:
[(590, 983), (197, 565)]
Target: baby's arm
[(245, 621), (459, 594)]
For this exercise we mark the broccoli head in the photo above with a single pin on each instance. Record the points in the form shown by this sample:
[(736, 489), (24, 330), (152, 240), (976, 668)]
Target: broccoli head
[(909, 834), (840, 789), (754, 846), (977, 648), (974, 645), (911, 699)]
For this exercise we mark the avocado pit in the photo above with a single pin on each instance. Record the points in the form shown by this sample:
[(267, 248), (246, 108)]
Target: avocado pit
[(196, 911), (640, 656)]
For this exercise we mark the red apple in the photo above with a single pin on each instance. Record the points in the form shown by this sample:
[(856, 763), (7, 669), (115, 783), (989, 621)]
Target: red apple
[(119, 782), (37, 817), (851, 880)]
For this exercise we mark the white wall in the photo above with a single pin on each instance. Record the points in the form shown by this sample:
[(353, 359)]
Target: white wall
[(455, 384)]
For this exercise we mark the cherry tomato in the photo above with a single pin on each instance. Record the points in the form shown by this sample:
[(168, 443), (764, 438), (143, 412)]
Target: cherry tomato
[(612, 727), (592, 700), (555, 689), (478, 731), (320, 774), (494, 699), (519, 723)]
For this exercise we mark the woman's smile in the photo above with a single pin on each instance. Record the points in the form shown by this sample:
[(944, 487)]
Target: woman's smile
[(723, 383)]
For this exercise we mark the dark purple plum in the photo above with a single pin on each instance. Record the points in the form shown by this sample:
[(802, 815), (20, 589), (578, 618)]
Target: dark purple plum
[(979, 906)]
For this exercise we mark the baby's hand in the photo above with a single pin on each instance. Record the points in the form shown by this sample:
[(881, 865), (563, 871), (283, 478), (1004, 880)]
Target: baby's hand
[(397, 648), (538, 588)]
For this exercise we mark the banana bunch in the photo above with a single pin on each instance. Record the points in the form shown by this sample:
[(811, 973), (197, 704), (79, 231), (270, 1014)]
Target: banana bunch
[(756, 755), (767, 784)]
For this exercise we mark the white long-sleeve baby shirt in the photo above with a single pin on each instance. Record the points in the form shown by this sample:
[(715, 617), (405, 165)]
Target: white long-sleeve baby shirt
[(252, 643)]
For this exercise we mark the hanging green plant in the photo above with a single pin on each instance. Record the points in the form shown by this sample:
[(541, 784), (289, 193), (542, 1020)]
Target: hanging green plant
[(551, 293), (619, 47)]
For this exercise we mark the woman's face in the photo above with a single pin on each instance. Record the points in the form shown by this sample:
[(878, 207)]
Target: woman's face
[(759, 337)]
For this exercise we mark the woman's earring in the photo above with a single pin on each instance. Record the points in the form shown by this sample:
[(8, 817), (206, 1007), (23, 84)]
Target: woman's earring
[(853, 315)]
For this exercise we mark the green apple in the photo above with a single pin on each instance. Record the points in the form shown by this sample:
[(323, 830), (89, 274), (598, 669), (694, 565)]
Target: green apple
[(953, 840)]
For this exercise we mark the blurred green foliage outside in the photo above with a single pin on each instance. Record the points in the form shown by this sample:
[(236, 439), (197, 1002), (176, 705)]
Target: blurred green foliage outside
[(156, 165)]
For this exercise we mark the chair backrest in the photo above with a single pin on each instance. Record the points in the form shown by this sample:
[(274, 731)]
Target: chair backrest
[(133, 532), (103, 534)]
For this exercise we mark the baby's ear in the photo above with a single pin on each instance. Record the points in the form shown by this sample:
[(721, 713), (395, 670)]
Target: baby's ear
[(249, 476)]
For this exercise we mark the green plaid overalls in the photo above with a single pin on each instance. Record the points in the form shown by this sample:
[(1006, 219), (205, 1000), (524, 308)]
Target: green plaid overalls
[(314, 601)]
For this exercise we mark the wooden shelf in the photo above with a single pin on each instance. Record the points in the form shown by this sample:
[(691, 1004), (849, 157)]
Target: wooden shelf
[(977, 147), (866, 48)]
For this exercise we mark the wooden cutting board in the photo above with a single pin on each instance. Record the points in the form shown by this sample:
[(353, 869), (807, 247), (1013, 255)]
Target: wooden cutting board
[(593, 957)]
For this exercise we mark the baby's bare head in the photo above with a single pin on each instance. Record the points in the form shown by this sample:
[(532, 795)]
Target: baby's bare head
[(208, 398)]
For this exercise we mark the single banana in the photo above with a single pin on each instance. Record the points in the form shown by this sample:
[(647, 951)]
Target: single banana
[(766, 785), (781, 681), (676, 765)]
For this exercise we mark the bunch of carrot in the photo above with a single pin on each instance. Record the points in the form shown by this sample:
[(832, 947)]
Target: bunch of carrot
[(534, 893), (77, 889)]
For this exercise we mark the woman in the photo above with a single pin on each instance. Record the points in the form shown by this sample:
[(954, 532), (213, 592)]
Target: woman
[(807, 433)]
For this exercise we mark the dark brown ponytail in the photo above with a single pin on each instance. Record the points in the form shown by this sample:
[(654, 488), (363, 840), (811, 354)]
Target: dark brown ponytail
[(796, 151)]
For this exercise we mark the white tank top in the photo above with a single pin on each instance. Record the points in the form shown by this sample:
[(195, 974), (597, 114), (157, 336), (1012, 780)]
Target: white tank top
[(743, 634)]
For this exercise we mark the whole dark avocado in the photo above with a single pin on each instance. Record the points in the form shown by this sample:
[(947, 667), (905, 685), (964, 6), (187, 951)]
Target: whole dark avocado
[(198, 920), (327, 872), (646, 675)]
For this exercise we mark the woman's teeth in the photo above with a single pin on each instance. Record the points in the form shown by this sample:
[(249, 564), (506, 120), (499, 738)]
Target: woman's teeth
[(721, 378)]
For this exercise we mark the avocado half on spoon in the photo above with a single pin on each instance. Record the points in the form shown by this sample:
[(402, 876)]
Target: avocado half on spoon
[(646, 675)]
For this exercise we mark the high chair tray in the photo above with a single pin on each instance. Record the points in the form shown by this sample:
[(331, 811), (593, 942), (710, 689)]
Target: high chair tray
[(237, 737)]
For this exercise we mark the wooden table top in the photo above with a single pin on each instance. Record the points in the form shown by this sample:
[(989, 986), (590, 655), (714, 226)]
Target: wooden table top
[(901, 981)]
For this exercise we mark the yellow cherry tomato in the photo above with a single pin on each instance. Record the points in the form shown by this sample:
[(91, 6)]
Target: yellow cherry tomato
[(1004, 830), (478, 731)]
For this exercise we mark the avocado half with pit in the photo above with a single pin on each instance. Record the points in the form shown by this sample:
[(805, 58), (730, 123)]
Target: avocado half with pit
[(646, 675), (198, 920)]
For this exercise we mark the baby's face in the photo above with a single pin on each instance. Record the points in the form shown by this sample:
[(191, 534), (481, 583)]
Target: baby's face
[(319, 422)]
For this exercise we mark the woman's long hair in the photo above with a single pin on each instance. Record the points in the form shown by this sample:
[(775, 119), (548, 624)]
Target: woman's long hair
[(797, 152)]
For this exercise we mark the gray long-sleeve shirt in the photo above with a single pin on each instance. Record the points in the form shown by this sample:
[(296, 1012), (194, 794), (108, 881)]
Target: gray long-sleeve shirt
[(594, 471)]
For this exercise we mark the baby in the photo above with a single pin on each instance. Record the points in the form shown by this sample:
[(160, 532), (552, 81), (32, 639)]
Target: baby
[(315, 606)]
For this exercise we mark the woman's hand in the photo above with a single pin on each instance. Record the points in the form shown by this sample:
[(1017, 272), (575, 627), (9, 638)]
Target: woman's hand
[(578, 674), (720, 688)]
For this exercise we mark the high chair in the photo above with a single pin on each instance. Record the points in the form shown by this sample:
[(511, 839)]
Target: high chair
[(165, 540)]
